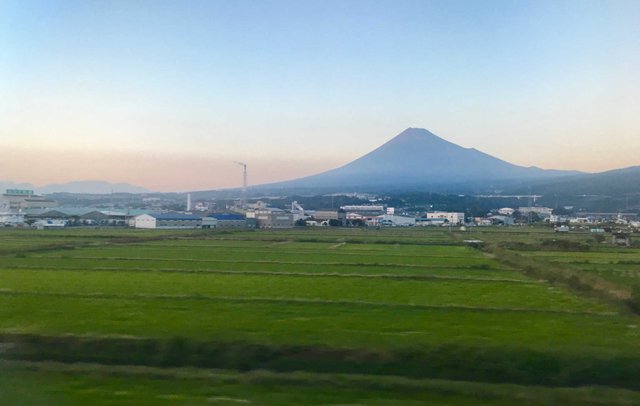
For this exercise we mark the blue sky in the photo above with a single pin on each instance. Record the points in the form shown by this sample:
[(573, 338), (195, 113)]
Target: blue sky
[(183, 88)]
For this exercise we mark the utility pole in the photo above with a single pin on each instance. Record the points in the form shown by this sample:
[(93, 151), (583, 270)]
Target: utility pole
[(530, 207)]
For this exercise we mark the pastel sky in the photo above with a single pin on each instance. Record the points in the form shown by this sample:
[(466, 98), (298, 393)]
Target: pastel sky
[(167, 94)]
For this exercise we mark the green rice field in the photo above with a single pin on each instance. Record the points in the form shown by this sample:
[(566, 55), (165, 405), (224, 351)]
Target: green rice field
[(315, 316)]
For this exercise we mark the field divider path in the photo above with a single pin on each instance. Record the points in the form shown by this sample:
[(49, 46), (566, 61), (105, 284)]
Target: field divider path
[(301, 301), (414, 241), (284, 273), (320, 251), (255, 261)]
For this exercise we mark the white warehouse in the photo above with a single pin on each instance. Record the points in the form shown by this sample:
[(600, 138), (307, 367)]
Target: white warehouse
[(167, 221)]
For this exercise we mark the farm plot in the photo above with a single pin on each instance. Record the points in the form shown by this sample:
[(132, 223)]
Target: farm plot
[(331, 324), (345, 288), (423, 271), (620, 266), (417, 305), (274, 254), (251, 256)]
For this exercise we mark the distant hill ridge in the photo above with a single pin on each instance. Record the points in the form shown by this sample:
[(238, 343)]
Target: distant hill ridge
[(617, 182), (83, 186)]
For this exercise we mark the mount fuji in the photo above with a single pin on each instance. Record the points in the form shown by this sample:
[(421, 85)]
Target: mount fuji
[(419, 159)]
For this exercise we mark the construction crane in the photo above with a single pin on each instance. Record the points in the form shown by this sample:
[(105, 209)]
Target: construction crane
[(243, 196)]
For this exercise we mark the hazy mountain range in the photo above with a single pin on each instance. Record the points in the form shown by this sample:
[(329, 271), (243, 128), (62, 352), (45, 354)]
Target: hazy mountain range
[(85, 186)]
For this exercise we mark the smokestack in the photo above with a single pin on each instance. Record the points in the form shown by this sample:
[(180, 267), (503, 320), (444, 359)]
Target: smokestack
[(188, 201)]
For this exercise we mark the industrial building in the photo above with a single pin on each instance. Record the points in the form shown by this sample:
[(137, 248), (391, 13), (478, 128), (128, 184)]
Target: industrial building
[(17, 200), (426, 222), (328, 215), (14, 203), (501, 220), (371, 210), (396, 221), (85, 216), (225, 220), (448, 217), (10, 218), (168, 221), (270, 217)]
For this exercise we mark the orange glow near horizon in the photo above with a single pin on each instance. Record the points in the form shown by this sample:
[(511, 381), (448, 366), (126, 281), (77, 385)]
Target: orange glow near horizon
[(156, 172), (165, 172)]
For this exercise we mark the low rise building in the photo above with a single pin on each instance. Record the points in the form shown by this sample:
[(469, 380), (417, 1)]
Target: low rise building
[(273, 218), (144, 221), (87, 216), (17, 200), (482, 221), (168, 221), (372, 210), (543, 212), (328, 215), (46, 224), (225, 220), (11, 219), (449, 217), (501, 220), (581, 220), (396, 221), (14, 203), (555, 219), (430, 222)]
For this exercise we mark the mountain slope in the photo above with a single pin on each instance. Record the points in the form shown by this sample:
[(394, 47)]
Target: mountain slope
[(418, 158), (616, 182)]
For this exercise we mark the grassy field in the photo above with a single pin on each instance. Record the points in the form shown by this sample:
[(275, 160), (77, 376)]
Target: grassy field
[(621, 266), (82, 384), (588, 260), (385, 309)]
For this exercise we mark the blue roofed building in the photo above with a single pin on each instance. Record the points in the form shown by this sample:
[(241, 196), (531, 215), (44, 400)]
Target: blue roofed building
[(224, 220)]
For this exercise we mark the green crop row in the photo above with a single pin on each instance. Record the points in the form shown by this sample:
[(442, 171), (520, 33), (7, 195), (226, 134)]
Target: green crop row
[(431, 292), (323, 323)]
